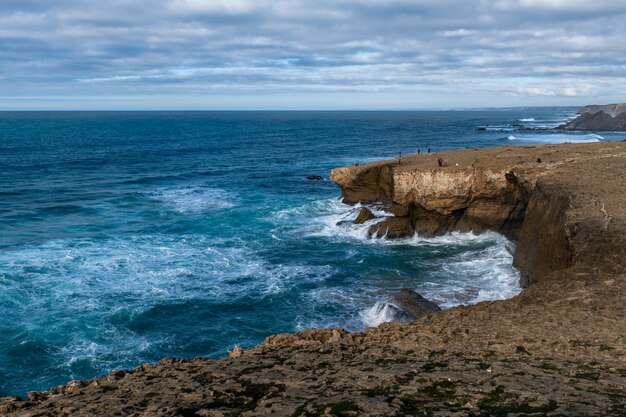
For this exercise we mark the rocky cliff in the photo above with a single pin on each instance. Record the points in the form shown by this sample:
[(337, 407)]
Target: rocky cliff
[(517, 191), (556, 349), (599, 118)]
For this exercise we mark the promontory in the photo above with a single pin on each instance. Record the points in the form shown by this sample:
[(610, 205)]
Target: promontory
[(556, 349), (605, 117)]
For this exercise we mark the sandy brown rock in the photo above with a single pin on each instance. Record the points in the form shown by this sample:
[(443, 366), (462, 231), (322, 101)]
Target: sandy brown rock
[(557, 349), (392, 228), (364, 215)]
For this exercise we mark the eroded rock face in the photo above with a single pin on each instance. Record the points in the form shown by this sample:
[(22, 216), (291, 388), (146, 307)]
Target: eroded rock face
[(364, 215), (392, 228), (498, 189), (435, 201)]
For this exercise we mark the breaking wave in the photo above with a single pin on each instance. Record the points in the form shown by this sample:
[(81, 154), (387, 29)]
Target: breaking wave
[(556, 138), (453, 269), (194, 200)]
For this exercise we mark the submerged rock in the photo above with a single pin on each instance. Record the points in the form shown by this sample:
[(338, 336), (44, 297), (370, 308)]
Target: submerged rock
[(315, 178), (364, 215), (412, 303)]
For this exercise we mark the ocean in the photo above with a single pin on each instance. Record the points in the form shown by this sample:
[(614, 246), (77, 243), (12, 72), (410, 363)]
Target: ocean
[(126, 237)]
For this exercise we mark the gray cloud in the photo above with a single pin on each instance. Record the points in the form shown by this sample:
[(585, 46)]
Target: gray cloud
[(447, 52)]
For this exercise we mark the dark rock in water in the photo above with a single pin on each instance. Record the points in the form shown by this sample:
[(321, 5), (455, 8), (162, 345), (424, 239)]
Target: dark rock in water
[(315, 178), (480, 128), (345, 223), (364, 215), (392, 228), (413, 303)]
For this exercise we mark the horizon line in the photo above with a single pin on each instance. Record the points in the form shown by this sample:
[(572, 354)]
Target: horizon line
[(293, 110)]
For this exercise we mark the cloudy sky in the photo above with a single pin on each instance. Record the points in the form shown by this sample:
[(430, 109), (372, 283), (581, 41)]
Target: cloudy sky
[(302, 54)]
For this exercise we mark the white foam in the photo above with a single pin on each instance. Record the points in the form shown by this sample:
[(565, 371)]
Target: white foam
[(511, 137), (329, 218), (480, 271), (500, 128), (381, 312), (471, 277), (529, 119), (194, 200), (557, 137)]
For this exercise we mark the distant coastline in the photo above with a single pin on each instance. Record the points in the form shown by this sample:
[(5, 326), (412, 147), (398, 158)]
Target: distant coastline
[(608, 117)]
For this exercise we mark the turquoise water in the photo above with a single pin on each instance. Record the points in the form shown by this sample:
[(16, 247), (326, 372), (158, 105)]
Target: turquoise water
[(128, 237)]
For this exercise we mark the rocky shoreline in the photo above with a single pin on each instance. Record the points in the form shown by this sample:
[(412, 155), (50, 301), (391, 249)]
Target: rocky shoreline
[(556, 349)]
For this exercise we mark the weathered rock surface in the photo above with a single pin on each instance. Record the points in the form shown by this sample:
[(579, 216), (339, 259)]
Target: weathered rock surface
[(599, 118), (392, 228), (413, 303), (610, 109), (557, 349), (364, 215)]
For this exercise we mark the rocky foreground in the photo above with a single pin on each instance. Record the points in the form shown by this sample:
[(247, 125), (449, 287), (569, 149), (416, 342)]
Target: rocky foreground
[(557, 349)]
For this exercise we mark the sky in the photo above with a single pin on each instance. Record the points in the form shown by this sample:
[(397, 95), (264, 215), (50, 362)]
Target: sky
[(302, 54)]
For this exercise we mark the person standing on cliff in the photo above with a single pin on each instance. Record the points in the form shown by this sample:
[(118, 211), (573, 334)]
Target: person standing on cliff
[(428, 150), (440, 162)]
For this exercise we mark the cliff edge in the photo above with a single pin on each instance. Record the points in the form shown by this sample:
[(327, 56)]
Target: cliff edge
[(556, 349), (599, 118)]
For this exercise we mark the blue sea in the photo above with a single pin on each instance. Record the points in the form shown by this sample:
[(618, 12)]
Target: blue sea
[(126, 237)]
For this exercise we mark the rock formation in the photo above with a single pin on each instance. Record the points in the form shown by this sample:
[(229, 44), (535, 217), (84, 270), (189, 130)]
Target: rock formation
[(412, 303), (499, 189), (364, 215), (599, 118), (556, 349)]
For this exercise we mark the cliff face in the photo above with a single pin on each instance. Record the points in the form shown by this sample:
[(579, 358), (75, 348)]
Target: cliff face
[(599, 118), (557, 349), (610, 109), (516, 191), (469, 196)]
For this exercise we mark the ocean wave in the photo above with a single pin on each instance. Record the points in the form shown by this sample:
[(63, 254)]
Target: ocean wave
[(470, 277), (511, 137), (529, 119), (456, 268), (100, 297), (382, 312), (194, 200), (556, 137), (507, 128)]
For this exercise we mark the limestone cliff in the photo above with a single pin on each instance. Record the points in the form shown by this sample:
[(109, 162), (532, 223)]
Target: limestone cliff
[(557, 349), (509, 190)]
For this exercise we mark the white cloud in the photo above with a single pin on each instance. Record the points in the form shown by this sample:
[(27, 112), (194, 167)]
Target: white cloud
[(214, 6), (451, 47)]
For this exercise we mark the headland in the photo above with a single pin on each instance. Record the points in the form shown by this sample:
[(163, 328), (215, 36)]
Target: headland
[(605, 117), (556, 349)]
